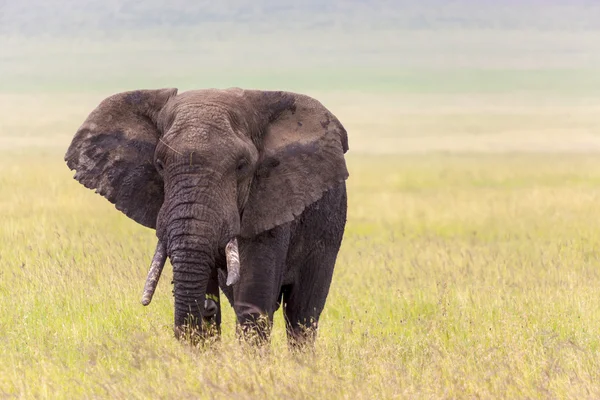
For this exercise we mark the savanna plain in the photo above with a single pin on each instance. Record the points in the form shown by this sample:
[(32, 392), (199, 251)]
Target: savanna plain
[(470, 266)]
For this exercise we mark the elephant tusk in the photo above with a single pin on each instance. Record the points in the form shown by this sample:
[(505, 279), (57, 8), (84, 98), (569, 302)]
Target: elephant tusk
[(232, 254), (156, 267)]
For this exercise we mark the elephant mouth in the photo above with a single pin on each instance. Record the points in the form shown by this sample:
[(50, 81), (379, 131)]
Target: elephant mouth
[(232, 255)]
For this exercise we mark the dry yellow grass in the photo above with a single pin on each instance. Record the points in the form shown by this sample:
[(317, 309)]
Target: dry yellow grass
[(382, 123), (460, 276)]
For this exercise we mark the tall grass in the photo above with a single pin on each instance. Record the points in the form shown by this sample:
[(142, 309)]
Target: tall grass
[(459, 276), (469, 268)]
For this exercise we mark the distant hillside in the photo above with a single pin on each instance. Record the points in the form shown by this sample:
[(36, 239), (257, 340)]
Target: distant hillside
[(383, 45), (66, 17)]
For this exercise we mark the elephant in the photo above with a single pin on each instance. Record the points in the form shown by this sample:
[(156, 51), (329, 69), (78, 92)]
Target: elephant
[(246, 191)]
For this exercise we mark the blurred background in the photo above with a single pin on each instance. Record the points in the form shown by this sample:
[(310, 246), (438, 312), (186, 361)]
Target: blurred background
[(404, 76)]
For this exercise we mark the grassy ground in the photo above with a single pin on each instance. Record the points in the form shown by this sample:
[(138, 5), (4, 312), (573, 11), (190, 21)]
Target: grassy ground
[(460, 276), (469, 267)]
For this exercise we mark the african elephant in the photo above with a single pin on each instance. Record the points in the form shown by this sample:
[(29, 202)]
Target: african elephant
[(245, 188)]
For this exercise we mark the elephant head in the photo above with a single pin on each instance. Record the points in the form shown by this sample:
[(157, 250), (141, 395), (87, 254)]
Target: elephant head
[(204, 168)]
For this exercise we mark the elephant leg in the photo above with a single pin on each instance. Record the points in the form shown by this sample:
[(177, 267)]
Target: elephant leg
[(304, 300), (316, 243), (262, 261)]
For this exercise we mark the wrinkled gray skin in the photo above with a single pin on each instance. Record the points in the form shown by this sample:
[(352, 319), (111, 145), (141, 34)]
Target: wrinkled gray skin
[(203, 167)]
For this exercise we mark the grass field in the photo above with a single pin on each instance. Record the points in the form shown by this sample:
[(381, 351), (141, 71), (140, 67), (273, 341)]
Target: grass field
[(470, 264), (467, 273)]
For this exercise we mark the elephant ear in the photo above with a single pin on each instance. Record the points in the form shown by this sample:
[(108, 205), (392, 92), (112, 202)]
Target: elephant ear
[(302, 156), (113, 152)]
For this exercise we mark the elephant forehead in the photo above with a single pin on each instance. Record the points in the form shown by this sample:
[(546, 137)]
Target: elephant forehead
[(201, 119), (206, 115), (198, 140)]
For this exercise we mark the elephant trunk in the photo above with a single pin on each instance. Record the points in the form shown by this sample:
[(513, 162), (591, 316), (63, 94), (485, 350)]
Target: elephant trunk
[(192, 247), (160, 257), (196, 223), (191, 272)]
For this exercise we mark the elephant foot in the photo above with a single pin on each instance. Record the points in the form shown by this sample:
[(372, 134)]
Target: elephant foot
[(254, 327), (302, 337)]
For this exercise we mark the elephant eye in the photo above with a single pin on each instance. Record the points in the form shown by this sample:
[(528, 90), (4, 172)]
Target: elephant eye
[(242, 165), (159, 165)]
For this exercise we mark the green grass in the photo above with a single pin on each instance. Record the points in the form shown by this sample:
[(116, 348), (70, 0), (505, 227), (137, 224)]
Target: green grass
[(469, 267), (460, 276)]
